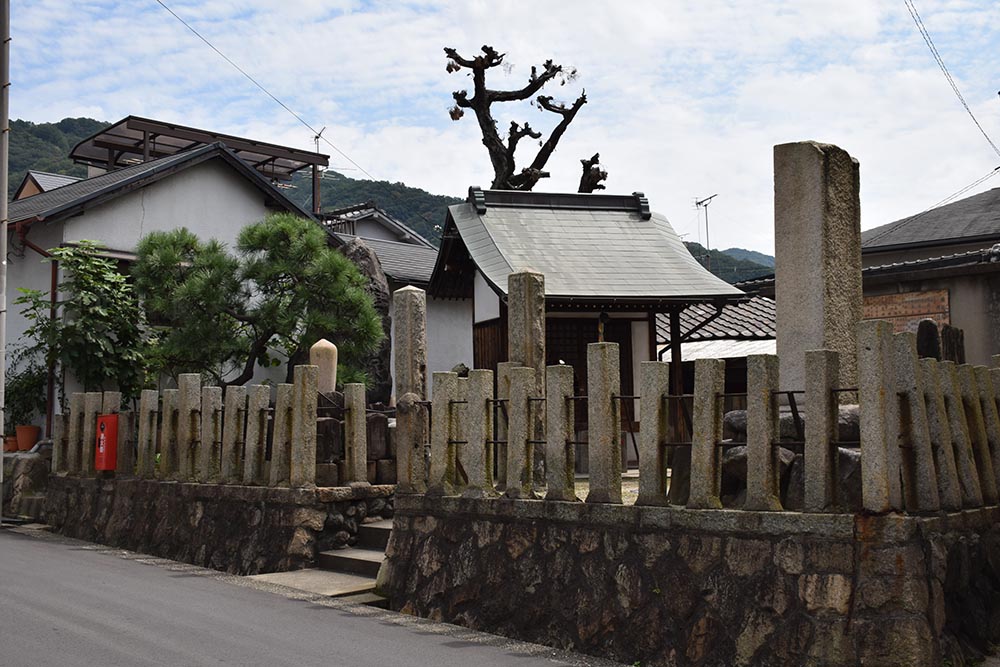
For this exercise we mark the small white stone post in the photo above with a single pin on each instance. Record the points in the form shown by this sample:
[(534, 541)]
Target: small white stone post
[(949, 489), (282, 436), (560, 430), (210, 442), (919, 466), (234, 415), (442, 469), (965, 459), (604, 423), (258, 403), (820, 452), (188, 423), (654, 427), (355, 435), (706, 461), (305, 402), (149, 410), (169, 423), (763, 463), (323, 355)]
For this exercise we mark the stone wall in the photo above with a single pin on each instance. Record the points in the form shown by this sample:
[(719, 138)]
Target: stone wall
[(236, 529), (672, 586)]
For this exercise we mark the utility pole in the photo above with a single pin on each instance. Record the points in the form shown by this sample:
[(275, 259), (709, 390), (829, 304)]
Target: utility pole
[(4, 177), (708, 245)]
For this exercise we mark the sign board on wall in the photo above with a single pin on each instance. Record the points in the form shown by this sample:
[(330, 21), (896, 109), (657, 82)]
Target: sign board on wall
[(906, 309)]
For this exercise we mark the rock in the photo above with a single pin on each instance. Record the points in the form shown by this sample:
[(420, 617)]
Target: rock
[(377, 365), (734, 425), (461, 370), (734, 469), (848, 482), (849, 423)]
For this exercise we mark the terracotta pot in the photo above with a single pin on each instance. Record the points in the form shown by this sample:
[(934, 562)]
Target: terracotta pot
[(10, 443), (27, 436)]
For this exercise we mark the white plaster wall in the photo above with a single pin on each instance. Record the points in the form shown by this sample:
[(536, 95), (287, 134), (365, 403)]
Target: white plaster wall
[(210, 199), (370, 229), (26, 268), (449, 335), (640, 353), (486, 300)]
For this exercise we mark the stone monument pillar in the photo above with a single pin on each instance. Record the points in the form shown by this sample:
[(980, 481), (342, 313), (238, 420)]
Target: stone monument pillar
[(526, 346), (817, 257)]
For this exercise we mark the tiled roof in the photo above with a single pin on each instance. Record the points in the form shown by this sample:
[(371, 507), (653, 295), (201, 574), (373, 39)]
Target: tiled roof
[(976, 217), (595, 247), (337, 217), (406, 263), (726, 349), (47, 181), (752, 319), (76, 196)]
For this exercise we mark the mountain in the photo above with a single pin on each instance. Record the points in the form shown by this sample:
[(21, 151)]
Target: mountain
[(415, 208), (46, 147), (727, 267), (751, 256)]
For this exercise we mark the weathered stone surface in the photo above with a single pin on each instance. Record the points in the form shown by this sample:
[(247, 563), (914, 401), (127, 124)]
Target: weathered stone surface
[(817, 223), (281, 438), (207, 456), (763, 460), (355, 432), (949, 488), (919, 475), (409, 313), (24, 476), (477, 429), (377, 364), (441, 479), (520, 451), (526, 346), (323, 355), (928, 339), (880, 455), (822, 376), (655, 384), (965, 460), (604, 423), (236, 529), (560, 411), (706, 468)]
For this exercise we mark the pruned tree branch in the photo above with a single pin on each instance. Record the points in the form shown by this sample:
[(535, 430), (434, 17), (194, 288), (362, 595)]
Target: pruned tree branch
[(505, 175)]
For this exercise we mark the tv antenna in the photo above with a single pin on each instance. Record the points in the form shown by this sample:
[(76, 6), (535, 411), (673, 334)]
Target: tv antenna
[(317, 138), (708, 246)]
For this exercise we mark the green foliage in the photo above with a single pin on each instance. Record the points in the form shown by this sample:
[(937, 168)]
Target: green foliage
[(26, 383), (99, 332), (415, 208), (728, 268), (282, 290), (46, 147)]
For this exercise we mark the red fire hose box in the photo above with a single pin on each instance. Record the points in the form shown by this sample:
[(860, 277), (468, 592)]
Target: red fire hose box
[(106, 449)]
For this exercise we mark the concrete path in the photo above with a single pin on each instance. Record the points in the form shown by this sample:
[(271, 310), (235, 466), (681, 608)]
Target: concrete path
[(65, 602)]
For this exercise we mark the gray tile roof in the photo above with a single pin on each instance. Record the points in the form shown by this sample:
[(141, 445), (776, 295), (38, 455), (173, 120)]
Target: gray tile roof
[(47, 181), (407, 263), (976, 217), (76, 196), (752, 319), (585, 249)]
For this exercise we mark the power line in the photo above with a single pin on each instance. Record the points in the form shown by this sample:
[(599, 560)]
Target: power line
[(265, 90), (993, 172), (944, 69)]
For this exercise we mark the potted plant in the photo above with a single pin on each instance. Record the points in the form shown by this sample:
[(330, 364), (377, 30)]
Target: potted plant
[(25, 398)]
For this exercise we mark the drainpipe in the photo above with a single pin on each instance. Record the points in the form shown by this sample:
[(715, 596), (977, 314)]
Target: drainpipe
[(21, 228)]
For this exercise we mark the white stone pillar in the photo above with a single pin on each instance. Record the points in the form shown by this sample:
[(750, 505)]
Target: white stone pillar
[(210, 442), (519, 433), (604, 446), (477, 421), (233, 434), (706, 461), (355, 435), (763, 463), (560, 432), (305, 399), (654, 429), (881, 490), (258, 404), (169, 423), (820, 452), (149, 410), (442, 469), (323, 355), (282, 437), (188, 423)]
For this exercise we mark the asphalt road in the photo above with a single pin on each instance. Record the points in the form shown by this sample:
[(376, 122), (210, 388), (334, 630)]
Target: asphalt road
[(70, 603)]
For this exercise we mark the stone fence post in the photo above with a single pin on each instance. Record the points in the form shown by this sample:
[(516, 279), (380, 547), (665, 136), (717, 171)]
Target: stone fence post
[(188, 423), (92, 402), (169, 424), (706, 461), (305, 402), (918, 462), (282, 437), (763, 466), (409, 325), (560, 429), (881, 490), (654, 380), (442, 469), (210, 441), (74, 435), (822, 416), (949, 488), (356, 432), (504, 369), (149, 411), (520, 432), (233, 434), (258, 404), (965, 460), (60, 444), (604, 423), (976, 422), (477, 423)]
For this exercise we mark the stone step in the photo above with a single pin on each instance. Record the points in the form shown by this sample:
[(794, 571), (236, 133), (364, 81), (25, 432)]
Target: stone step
[(320, 582), (375, 535), (369, 599), (355, 561)]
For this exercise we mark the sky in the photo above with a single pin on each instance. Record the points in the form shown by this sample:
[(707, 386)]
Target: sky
[(686, 99)]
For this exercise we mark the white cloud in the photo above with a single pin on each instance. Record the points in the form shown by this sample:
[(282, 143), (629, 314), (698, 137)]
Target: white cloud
[(686, 99)]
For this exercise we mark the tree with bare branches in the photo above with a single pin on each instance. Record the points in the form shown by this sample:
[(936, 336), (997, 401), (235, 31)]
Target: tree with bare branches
[(501, 150)]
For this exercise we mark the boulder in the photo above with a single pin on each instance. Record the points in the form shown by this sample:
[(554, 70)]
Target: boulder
[(377, 365), (848, 482)]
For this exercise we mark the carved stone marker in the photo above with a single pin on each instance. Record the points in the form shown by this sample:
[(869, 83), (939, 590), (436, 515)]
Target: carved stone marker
[(817, 257), (324, 355)]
